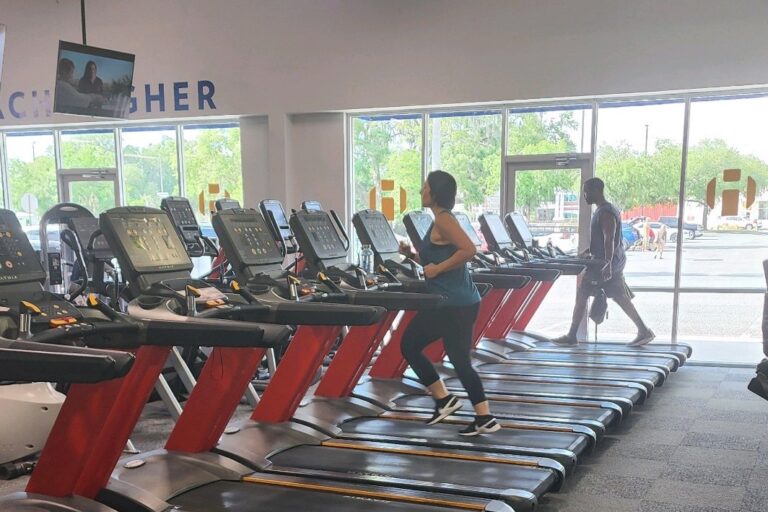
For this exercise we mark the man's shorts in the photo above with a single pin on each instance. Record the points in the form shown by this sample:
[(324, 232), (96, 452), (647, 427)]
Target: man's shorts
[(615, 288)]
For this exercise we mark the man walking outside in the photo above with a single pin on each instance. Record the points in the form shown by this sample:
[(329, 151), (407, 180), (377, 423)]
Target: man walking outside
[(605, 244)]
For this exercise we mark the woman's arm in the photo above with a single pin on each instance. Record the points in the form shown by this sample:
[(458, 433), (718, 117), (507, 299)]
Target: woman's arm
[(450, 230), (406, 251)]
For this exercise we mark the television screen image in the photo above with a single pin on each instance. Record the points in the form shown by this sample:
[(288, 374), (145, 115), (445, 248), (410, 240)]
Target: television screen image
[(2, 50), (93, 81)]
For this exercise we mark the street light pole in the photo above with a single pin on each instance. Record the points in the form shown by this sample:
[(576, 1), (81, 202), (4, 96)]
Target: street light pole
[(646, 139)]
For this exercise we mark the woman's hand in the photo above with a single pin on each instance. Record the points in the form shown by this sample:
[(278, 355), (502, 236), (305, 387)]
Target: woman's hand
[(431, 271)]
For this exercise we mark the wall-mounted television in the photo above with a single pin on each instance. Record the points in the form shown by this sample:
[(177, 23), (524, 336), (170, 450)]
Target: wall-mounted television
[(93, 81), (2, 51)]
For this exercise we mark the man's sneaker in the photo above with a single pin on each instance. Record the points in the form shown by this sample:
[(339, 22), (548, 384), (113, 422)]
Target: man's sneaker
[(565, 341), (481, 425), (642, 338), (444, 408)]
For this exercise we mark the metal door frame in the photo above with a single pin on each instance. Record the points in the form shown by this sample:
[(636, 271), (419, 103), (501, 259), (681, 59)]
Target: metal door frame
[(549, 162), (66, 177)]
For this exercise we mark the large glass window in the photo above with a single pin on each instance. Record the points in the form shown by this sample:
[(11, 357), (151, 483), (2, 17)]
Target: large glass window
[(88, 149), (639, 153), (212, 166), (31, 174), (150, 165), (386, 164), (468, 145), (547, 130), (726, 150)]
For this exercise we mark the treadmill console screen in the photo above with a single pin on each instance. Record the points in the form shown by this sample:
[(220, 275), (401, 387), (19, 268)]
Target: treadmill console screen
[(374, 228), (312, 206), (274, 206), (226, 204), (468, 228), (18, 260), (316, 230), (518, 228), (146, 239), (245, 236), (180, 211), (417, 225), (84, 227), (496, 229)]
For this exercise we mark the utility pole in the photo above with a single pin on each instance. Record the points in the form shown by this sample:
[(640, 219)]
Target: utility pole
[(646, 139)]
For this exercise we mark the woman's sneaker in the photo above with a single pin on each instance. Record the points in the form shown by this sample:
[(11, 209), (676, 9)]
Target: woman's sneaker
[(444, 408), (481, 425)]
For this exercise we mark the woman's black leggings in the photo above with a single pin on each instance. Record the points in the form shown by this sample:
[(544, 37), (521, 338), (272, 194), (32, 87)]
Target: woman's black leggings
[(454, 325)]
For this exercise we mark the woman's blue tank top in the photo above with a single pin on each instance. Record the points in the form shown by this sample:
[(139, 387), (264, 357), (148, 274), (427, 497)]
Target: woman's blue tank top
[(456, 284)]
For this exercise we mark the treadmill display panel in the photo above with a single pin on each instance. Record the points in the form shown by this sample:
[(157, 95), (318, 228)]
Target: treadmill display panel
[(245, 232), (417, 225), (519, 229), (378, 231), (180, 211), (274, 206), (497, 229), (18, 260), (321, 234), (226, 204), (148, 240), (312, 206), (84, 227), (468, 228)]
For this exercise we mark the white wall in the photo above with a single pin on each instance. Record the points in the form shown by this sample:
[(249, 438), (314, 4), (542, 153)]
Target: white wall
[(315, 164), (284, 57)]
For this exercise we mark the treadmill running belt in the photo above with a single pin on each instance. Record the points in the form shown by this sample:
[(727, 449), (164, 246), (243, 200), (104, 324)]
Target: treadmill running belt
[(561, 446), (670, 364), (608, 393), (572, 414), (622, 350), (237, 496), (481, 479), (522, 368), (682, 352)]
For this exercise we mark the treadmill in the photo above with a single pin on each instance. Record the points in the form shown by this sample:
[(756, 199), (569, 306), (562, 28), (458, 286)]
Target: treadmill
[(95, 422), (185, 222), (373, 229), (623, 385), (187, 474), (518, 235), (270, 442), (31, 361), (664, 362), (323, 248)]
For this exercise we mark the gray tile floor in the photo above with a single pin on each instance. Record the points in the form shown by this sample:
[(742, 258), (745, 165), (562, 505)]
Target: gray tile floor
[(700, 444)]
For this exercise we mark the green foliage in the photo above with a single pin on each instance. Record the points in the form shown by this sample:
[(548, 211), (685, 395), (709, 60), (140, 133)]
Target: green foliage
[(214, 157), (635, 179), (470, 148), (149, 169), (387, 150)]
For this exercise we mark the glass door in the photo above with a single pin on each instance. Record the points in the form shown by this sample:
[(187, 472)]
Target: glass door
[(95, 189), (546, 190)]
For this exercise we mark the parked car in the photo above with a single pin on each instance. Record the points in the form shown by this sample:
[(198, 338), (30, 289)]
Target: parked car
[(629, 234), (737, 222), (33, 233), (690, 230)]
